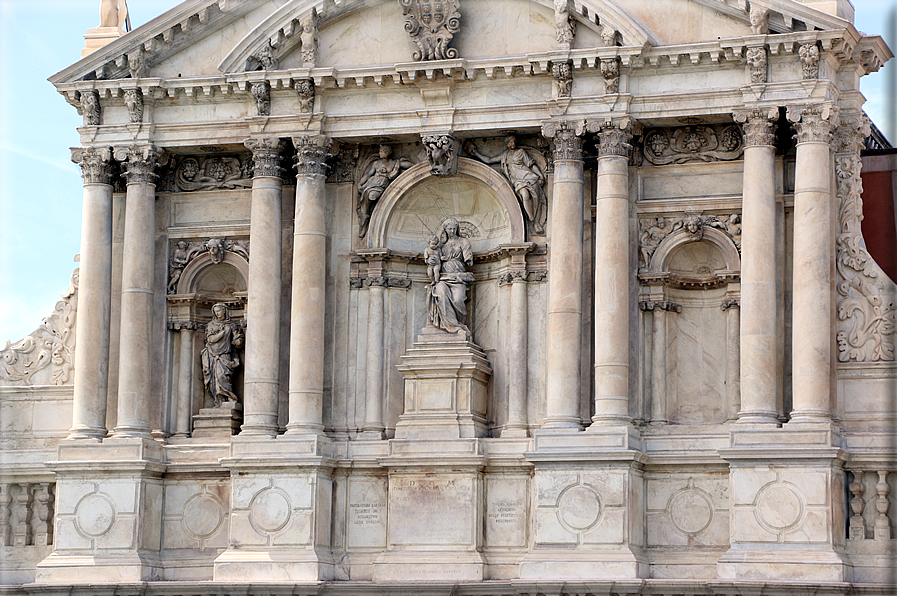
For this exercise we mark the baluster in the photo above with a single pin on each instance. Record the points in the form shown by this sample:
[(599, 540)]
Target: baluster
[(23, 515), (5, 514), (43, 527), (882, 523), (857, 505)]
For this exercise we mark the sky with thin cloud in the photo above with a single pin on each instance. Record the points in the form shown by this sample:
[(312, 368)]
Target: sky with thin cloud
[(40, 188)]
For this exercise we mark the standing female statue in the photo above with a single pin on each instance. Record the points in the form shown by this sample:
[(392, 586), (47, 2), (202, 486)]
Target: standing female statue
[(219, 357), (446, 296)]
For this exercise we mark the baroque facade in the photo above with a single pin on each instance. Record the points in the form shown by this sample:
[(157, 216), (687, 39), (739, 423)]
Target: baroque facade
[(505, 297)]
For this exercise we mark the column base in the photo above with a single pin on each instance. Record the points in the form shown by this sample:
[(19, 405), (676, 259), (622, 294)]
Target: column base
[(99, 569), (758, 417), (371, 435), (514, 431), (560, 425)]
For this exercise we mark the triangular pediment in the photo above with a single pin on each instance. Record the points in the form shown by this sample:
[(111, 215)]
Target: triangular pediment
[(228, 33)]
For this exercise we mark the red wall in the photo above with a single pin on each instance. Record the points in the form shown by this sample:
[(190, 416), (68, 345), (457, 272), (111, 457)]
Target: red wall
[(879, 228)]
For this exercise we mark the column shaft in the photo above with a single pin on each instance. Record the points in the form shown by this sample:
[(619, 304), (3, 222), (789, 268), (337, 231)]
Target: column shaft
[(135, 361), (373, 404), (516, 425), (185, 382), (659, 367), (565, 287), (812, 291), (612, 280), (733, 353), (261, 384), (309, 273), (758, 272), (94, 298)]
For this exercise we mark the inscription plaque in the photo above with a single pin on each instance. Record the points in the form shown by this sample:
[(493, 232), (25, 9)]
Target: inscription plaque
[(431, 510)]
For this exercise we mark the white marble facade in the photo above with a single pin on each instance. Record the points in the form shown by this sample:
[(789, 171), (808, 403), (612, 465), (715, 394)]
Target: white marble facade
[(678, 363)]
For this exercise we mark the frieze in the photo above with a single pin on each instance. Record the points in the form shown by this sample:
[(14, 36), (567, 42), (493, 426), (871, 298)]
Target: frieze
[(652, 231), (866, 315), (50, 346), (693, 143), (432, 25), (184, 252), (211, 173)]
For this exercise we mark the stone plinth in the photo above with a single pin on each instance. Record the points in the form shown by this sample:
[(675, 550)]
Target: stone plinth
[(97, 37), (222, 421), (445, 388)]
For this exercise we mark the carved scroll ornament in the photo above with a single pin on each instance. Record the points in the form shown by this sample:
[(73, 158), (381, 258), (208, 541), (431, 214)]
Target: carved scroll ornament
[(431, 25), (51, 346), (209, 173), (693, 143)]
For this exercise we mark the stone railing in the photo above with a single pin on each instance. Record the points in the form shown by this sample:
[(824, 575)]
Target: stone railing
[(871, 515), (26, 513)]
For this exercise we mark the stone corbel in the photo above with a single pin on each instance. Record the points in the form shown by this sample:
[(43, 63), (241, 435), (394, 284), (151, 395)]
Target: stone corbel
[(757, 60), (90, 107), (809, 59), (305, 89), (261, 92), (562, 75)]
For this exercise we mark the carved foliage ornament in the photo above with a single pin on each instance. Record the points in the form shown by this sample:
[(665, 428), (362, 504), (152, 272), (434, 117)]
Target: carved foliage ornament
[(134, 103), (266, 158), (209, 173), (693, 143), (757, 61), (431, 25), (866, 313), (265, 58), (262, 94), (813, 124), (51, 346), (610, 70), (562, 73), (141, 162), (566, 137), (809, 60), (442, 153), (614, 140), (759, 126), (95, 162), (184, 252), (305, 88), (90, 107), (312, 154)]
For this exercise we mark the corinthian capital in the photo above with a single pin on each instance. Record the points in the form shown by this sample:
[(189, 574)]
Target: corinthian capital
[(95, 164), (267, 154), (312, 153), (142, 161), (851, 133), (566, 137), (813, 124), (614, 136), (758, 125)]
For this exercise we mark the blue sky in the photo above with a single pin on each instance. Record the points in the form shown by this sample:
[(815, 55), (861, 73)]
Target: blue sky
[(40, 188)]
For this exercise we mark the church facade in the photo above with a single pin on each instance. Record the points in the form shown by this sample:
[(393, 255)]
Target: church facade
[(469, 297)]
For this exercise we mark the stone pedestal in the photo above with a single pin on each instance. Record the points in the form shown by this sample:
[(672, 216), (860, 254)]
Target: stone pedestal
[(97, 37), (435, 519), (281, 496), (222, 421), (108, 513), (445, 388), (788, 514)]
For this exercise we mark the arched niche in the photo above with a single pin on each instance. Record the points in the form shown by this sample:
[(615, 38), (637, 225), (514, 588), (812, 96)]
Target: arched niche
[(208, 279), (416, 203), (670, 246)]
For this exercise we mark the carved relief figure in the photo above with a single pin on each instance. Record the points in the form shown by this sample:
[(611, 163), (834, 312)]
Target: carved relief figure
[(214, 172), (651, 232), (373, 183), (690, 143), (564, 24), (114, 13), (305, 88), (562, 73), (433, 259), (181, 255), (265, 57), (759, 20), (184, 252), (431, 26), (90, 106), (756, 59), (525, 175), (134, 103), (219, 356), (446, 297), (262, 94), (809, 60), (610, 70), (309, 39), (442, 154)]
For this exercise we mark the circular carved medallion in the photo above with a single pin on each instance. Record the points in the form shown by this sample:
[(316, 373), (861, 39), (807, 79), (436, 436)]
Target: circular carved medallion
[(94, 515), (690, 511), (779, 506), (579, 507), (270, 510), (202, 516)]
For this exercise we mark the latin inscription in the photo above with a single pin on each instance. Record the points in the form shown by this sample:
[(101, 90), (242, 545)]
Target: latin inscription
[(366, 514), (431, 510)]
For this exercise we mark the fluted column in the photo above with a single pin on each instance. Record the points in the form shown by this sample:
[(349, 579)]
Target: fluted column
[(565, 279), (758, 269), (811, 349), (261, 383), (185, 379), (135, 370), (309, 272), (94, 296), (612, 277)]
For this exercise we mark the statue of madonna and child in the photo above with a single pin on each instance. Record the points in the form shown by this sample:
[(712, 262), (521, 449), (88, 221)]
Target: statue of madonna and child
[(447, 257)]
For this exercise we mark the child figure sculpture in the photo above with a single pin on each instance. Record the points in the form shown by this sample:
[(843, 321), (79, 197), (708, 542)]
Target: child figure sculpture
[(433, 260)]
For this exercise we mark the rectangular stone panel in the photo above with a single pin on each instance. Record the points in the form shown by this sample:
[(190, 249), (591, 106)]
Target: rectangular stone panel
[(367, 508), (506, 511), (432, 509)]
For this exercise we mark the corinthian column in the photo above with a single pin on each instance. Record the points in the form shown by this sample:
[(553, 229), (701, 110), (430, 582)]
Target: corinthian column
[(94, 296), (565, 279), (309, 271), (811, 365), (260, 381), (135, 349), (612, 277), (758, 268)]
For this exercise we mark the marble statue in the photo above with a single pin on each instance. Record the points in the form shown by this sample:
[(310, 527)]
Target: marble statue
[(219, 356), (373, 183), (525, 175), (447, 294), (114, 13), (433, 260)]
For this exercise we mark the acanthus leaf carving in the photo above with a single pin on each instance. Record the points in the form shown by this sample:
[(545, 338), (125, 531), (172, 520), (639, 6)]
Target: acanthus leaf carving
[(813, 124), (90, 107), (432, 25), (95, 162), (562, 74), (134, 103), (757, 62), (565, 25), (312, 153), (566, 138), (51, 346), (809, 60), (344, 162), (610, 70), (759, 126), (261, 92), (141, 162), (305, 89), (866, 309), (693, 143)]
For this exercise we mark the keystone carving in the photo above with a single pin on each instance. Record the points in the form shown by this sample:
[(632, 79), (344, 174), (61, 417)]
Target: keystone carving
[(184, 252), (432, 25), (442, 153)]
